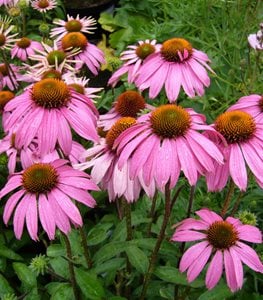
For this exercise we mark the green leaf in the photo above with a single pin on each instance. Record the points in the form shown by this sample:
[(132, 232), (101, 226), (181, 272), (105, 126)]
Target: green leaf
[(108, 251), (56, 250), (90, 286), (62, 291), (25, 275), (98, 234), (60, 266), (110, 265), (221, 291), (138, 259), (9, 253), (116, 298), (173, 275), (32, 295), (5, 288)]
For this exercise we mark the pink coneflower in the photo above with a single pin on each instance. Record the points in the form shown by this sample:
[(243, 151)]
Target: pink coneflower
[(24, 48), (52, 58), (85, 24), (5, 2), (10, 75), (243, 146), (89, 54), (80, 85), (256, 39), (46, 189), (224, 240), (176, 64), (127, 104), (166, 141), (44, 5), (7, 40), (133, 59), (47, 111), (5, 97), (102, 158)]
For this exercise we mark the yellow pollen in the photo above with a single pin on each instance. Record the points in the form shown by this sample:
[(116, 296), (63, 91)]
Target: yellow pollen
[(50, 93), (129, 104), (39, 178), (170, 121), (5, 96), (4, 69), (78, 88), (43, 3), (222, 235), (236, 126), (176, 50), (144, 50), (2, 39), (74, 40), (73, 26), (23, 43), (118, 127)]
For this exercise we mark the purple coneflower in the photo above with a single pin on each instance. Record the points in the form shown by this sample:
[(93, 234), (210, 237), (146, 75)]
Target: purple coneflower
[(10, 75), (7, 40), (256, 39), (44, 5), (176, 64), (45, 190), (24, 48), (223, 239)]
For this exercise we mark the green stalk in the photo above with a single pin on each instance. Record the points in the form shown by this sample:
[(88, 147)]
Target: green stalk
[(228, 197)]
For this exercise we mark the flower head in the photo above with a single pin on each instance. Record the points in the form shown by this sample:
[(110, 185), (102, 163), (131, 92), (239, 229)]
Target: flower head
[(7, 40), (224, 240), (5, 97), (24, 48), (47, 111), (10, 75), (44, 5), (45, 190), (85, 25), (256, 39), (176, 64), (128, 104), (133, 59), (243, 145)]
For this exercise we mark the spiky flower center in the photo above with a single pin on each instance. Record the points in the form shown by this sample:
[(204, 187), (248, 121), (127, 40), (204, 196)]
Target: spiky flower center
[(170, 121), (40, 178), (144, 50), (2, 39), (176, 50), (23, 43), (51, 73), (222, 235), (73, 26), (78, 88), (74, 40), (56, 57), (119, 126), (129, 104), (50, 93), (236, 126), (43, 3), (5, 96), (4, 69)]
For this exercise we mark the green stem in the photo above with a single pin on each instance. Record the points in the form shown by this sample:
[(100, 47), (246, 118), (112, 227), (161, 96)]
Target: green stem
[(84, 244), (228, 197), (151, 214), (159, 241), (71, 267), (127, 210), (236, 205)]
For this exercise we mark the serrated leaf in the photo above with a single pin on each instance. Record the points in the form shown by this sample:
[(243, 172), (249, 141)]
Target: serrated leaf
[(138, 259), (56, 250), (221, 291), (5, 288), (108, 251), (25, 275), (173, 275), (90, 286)]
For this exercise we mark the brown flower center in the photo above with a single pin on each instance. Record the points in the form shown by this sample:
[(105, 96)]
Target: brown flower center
[(73, 26), (144, 50), (129, 104), (39, 178), (222, 235), (119, 126), (78, 88), (23, 43), (74, 40), (43, 3), (170, 121), (176, 50), (50, 93), (51, 73), (236, 126), (4, 69), (56, 56), (2, 39), (5, 96)]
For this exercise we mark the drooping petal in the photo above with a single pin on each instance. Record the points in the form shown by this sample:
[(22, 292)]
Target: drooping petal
[(10, 205), (188, 236), (249, 233), (46, 216), (215, 270), (31, 217), (208, 216)]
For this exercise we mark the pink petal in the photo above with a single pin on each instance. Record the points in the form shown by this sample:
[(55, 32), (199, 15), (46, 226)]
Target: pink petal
[(13, 182), (10, 205), (249, 233), (215, 270), (232, 268), (173, 82), (188, 236), (208, 216), (46, 216), (31, 217), (237, 167), (20, 215)]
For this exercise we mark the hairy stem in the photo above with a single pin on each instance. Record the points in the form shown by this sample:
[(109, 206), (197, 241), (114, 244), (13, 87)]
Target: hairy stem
[(151, 214), (84, 244), (228, 197)]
